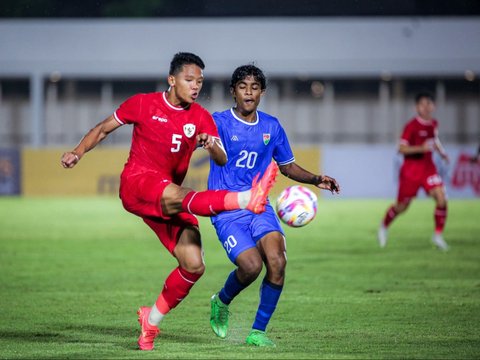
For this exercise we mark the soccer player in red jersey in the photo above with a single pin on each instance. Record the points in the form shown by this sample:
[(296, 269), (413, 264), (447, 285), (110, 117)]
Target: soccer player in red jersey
[(168, 127), (417, 143), (476, 158)]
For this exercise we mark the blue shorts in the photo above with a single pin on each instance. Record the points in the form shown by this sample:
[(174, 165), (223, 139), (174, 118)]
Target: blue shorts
[(241, 229)]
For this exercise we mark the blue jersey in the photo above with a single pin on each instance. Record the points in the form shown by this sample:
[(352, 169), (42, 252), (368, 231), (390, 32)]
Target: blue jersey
[(250, 148)]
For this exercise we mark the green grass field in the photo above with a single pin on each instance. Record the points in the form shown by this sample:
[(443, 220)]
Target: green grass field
[(74, 271)]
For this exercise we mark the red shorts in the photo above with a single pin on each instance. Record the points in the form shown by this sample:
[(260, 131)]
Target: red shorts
[(169, 231), (141, 194), (414, 178)]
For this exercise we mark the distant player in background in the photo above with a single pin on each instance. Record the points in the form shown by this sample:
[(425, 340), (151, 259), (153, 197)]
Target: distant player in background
[(168, 127), (417, 143), (252, 138)]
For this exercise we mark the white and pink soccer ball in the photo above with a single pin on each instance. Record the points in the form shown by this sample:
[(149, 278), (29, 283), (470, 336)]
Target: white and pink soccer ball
[(296, 206)]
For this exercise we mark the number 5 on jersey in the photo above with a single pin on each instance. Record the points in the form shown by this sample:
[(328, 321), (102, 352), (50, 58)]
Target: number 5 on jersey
[(176, 142)]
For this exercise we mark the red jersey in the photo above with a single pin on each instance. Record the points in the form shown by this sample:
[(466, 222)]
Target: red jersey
[(418, 170), (164, 136), (416, 132)]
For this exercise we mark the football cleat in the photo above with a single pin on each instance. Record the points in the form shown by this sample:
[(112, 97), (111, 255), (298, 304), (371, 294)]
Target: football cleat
[(382, 236), (261, 188), (219, 316), (149, 332), (437, 239), (259, 338)]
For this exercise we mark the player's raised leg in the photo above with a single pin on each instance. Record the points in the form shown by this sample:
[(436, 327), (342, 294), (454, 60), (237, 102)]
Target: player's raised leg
[(261, 188), (212, 202)]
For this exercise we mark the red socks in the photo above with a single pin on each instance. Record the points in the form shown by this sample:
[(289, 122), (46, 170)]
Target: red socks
[(210, 202), (389, 216), (440, 216), (176, 287)]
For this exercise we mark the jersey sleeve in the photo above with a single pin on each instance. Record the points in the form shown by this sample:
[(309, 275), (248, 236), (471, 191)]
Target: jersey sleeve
[(129, 111), (407, 133), (207, 125), (282, 153)]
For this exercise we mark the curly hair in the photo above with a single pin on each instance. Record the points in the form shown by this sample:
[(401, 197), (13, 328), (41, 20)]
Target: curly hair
[(243, 71)]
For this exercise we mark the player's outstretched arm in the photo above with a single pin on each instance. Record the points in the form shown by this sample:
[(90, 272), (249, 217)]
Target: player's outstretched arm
[(439, 147), (297, 173), (89, 141), (405, 149), (214, 147)]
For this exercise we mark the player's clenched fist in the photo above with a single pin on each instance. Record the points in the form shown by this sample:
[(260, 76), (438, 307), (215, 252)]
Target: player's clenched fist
[(205, 140), (69, 159)]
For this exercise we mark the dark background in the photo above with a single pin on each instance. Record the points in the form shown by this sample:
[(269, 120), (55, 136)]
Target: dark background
[(225, 8)]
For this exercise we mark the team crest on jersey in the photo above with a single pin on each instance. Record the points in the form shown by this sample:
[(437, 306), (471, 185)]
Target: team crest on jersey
[(266, 138), (189, 130)]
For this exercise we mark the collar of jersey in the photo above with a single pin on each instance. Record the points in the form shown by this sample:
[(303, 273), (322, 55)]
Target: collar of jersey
[(423, 121), (178, 108), (243, 121)]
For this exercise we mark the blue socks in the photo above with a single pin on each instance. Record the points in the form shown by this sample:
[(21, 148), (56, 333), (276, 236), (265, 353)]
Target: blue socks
[(231, 288), (269, 295)]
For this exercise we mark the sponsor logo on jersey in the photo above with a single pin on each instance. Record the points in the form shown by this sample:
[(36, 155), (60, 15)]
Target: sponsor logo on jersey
[(189, 130), (234, 138), (266, 138), (423, 133), (159, 118)]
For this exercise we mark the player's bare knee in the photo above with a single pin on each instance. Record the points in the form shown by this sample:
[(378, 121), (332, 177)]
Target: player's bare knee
[(401, 207), (172, 199), (441, 202), (249, 270), (276, 265), (199, 269), (194, 266)]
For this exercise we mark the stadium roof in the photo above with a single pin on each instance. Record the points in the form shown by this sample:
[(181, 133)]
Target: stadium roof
[(303, 47)]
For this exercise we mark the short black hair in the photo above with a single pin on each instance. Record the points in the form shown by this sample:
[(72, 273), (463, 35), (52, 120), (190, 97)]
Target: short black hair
[(424, 94), (243, 71), (184, 58)]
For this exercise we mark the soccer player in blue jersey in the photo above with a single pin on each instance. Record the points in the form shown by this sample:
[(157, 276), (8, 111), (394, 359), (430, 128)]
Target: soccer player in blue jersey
[(252, 139)]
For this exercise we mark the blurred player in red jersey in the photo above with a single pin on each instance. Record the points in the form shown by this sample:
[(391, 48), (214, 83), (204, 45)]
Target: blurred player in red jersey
[(476, 158), (417, 143), (168, 127)]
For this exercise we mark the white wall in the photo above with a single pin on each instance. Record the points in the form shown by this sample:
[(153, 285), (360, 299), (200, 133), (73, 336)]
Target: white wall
[(339, 47), (372, 171)]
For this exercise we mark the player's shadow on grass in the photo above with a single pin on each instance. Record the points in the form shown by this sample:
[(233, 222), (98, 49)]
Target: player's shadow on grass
[(126, 337), (92, 334), (72, 334), (180, 338), (33, 336)]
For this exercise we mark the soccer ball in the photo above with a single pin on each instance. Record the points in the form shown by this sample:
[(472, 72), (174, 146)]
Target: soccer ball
[(296, 206)]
